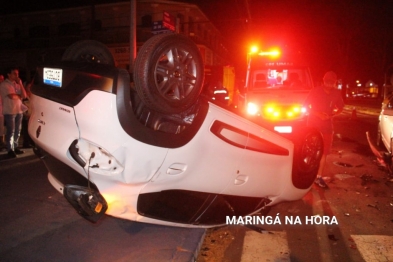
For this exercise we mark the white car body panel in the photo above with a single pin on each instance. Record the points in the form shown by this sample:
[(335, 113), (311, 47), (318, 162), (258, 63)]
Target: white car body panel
[(58, 130), (140, 161), (244, 160), (386, 127), (262, 172)]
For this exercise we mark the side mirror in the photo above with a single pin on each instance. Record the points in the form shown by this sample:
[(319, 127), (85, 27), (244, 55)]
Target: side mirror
[(88, 202)]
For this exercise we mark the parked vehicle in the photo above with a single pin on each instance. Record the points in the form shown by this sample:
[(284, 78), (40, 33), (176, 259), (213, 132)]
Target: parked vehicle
[(152, 149), (385, 130), (275, 90), (384, 135)]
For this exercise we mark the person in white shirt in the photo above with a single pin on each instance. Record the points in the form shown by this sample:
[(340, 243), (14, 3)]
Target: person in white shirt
[(2, 145), (12, 93)]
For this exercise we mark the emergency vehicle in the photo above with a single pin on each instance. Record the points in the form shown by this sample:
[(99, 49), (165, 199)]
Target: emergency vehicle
[(275, 89)]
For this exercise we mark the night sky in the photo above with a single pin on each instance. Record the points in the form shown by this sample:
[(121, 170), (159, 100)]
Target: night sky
[(353, 38)]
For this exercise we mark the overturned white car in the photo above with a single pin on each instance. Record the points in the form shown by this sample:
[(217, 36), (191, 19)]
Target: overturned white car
[(151, 148)]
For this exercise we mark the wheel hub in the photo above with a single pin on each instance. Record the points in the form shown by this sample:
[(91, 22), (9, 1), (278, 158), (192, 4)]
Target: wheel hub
[(177, 74)]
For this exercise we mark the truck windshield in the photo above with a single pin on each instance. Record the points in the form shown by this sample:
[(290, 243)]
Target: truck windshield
[(295, 78)]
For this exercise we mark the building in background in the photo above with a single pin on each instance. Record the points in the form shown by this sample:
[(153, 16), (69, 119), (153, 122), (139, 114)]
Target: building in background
[(29, 39)]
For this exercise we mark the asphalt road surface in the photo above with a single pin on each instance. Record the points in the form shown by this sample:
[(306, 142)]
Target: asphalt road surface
[(38, 224), (358, 207)]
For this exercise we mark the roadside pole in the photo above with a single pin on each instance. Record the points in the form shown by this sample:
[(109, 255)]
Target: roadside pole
[(132, 34)]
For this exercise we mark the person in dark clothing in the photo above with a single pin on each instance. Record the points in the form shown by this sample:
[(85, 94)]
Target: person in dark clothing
[(324, 103)]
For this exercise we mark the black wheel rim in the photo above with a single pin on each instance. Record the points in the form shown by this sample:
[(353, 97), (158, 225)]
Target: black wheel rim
[(311, 152), (176, 74)]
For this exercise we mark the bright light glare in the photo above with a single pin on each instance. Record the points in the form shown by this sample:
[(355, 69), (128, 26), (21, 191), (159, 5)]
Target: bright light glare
[(272, 111), (252, 109), (278, 112), (273, 53), (296, 109), (254, 49), (283, 129)]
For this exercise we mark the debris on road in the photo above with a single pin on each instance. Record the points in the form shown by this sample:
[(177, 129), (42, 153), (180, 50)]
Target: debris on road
[(215, 243), (342, 164), (332, 237), (343, 176), (367, 179), (373, 206)]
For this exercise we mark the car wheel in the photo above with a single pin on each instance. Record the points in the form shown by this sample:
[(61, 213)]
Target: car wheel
[(168, 73), (89, 51), (307, 156)]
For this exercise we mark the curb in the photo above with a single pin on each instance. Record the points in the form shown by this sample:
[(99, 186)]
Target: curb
[(363, 109)]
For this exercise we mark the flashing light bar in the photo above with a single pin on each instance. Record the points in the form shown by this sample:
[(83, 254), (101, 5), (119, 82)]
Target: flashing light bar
[(271, 53)]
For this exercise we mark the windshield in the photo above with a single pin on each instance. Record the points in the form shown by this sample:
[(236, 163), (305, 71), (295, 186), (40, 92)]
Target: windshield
[(280, 78)]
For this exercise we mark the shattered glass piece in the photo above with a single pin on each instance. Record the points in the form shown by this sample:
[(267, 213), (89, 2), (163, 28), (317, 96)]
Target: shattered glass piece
[(343, 176), (367, 179), (342, 164), (374, 206)]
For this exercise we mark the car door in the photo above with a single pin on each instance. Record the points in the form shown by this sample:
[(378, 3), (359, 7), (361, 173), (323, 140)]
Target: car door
[(266, 165), (228, 163)]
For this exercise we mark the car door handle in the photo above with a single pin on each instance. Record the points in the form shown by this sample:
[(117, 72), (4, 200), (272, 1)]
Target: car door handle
[(241, 179), (176, 169)]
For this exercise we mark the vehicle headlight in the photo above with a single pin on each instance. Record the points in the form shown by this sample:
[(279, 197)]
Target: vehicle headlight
[(252, 108)]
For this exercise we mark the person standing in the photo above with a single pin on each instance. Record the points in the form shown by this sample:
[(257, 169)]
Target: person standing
[(324, 103), (12, 93), (27, 141), (2, 145)]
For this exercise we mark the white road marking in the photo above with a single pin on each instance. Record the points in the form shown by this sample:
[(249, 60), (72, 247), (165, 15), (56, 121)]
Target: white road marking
[(324, 245), (374, 247), (274, 247), (265, 247)]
